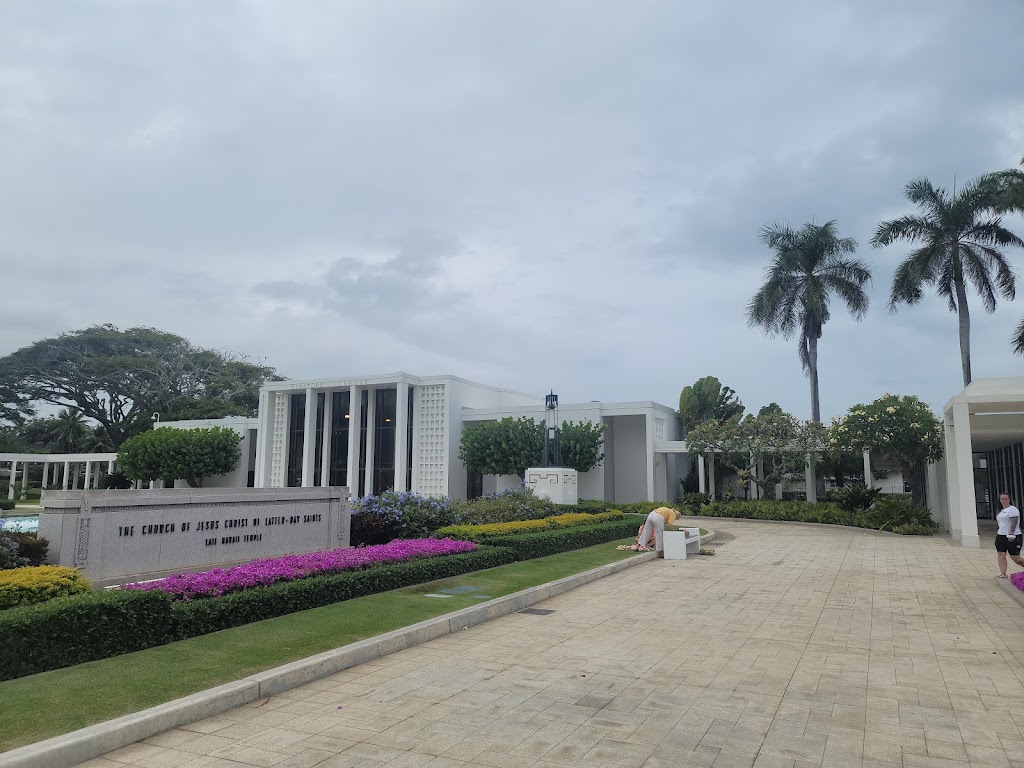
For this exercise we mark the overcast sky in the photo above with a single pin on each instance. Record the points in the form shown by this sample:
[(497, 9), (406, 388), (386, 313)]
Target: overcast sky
[(536, 195)]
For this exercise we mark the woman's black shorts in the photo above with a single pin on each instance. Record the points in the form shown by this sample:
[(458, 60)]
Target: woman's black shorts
[(1010, 547)]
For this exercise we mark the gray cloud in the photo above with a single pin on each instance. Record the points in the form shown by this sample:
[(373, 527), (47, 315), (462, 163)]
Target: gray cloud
[(343, 188)]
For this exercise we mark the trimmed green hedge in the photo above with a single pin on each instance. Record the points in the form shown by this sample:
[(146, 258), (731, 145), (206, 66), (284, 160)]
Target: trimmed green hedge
[(530, 545), (893, 513), (72, 630), (79, 628)]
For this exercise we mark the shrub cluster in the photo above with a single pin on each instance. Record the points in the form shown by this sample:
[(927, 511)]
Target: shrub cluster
[(6, 504), (31, 546), (491, 530), (506, 507), (27, 586), (855, 498), (530, 545), (393, 515), (888, 513)]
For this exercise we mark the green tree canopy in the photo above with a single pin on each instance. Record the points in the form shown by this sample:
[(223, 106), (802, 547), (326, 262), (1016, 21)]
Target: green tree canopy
[(582, 444), (119, 378), (901, 429), (511, 446), (961, 238), (506, 447), (187, 454), (809, 266), (773, 441), (707, 400)]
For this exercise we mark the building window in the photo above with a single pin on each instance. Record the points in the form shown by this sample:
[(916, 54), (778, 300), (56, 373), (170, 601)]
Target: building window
[(340, 416), (296, 434), (364, 407), (408, 444), (318, 437), (386, 401)]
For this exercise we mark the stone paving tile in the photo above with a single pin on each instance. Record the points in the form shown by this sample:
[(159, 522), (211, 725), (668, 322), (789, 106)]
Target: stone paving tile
[(795, 647)]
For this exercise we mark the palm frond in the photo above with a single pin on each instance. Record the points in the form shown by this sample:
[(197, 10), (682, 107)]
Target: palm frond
[(908, 228), (975, 270), (1018, 339)]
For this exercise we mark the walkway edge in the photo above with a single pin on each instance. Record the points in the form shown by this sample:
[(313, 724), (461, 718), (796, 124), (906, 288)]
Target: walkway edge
[(1008, 588), (95, 740)]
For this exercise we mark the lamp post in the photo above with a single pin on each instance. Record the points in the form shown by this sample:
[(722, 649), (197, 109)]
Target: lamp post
[(552, 443)]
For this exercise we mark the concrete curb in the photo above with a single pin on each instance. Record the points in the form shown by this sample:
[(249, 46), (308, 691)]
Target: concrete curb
[(95, 740), (1007, 586)]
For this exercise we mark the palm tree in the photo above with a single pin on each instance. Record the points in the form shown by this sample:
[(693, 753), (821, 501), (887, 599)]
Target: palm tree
[(69, 429), (810, 264), (1011, 200), (960, 237)]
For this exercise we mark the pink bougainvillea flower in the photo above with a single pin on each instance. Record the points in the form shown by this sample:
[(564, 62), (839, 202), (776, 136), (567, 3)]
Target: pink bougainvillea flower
[(266, 571)]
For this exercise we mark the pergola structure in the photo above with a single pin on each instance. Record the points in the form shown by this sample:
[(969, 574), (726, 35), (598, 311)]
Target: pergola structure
[(986, 417), (69, 470)]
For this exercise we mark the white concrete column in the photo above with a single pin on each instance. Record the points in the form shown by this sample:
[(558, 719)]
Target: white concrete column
[(401, 435), (964, 503), (325, 444), (67, 474), (308, 439), (711, 476), (869, 481), (354, 417), (110, 467), (649, 440), (752, 485), (416, 446), (45, 480), (88, 475), (702, 483), (371, 415), (24, 480), (811, 479), (778, 491), (78, 469), (13, 480), (264, 437)]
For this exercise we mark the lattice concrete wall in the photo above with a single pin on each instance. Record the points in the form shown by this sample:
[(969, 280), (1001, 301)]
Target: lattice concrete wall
[(278, 437), (432, 439)]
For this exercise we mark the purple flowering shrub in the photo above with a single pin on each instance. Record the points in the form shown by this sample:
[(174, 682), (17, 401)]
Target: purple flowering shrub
[(406, 515), (1017, 579), (263, 572)]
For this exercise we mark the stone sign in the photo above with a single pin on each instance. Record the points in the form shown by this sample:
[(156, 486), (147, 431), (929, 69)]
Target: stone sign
[(116, 536)]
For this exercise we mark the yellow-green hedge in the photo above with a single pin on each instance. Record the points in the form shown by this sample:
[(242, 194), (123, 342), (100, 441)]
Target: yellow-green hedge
[(25, 586), (491, 530)]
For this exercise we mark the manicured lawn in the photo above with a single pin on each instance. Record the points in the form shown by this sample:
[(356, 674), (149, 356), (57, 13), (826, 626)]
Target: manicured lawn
[(51, 703)]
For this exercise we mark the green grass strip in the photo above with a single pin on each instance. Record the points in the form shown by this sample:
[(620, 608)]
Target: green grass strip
[(40, 706)]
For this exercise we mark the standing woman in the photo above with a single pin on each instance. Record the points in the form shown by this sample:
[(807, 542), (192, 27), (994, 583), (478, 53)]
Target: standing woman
[(1008, 536)]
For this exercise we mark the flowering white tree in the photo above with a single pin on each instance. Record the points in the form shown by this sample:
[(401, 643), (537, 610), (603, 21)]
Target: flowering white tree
[(899, 428)]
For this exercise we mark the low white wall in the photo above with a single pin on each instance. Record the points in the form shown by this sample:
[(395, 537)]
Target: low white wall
[(127, 535)]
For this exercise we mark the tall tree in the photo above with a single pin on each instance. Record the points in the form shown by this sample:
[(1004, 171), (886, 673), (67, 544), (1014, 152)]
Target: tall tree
[(960, 236), (1010, 199), (69, 430), (772, 441), (119, 378), (707, 400), (810, 264)]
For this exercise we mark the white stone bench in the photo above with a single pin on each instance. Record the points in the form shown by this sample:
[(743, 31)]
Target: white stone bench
[(681, 543)]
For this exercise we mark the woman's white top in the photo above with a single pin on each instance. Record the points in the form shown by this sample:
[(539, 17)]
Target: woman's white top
[(1009, 521)]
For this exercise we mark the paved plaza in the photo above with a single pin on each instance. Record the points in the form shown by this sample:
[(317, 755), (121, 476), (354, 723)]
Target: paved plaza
[(794, 647)]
